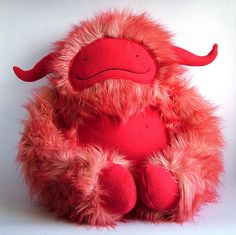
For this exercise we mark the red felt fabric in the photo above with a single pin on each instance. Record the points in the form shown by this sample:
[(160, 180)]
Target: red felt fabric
[(158, 189), (119, 189), (187, 58), (41, 69), (110, 58), (136, 138)]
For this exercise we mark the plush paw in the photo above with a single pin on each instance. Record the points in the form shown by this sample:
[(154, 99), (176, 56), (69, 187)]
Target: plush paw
[(119, 189), (158, 189)]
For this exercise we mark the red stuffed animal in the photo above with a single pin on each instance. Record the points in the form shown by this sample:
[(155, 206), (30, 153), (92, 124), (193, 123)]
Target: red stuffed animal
[(119, 133)]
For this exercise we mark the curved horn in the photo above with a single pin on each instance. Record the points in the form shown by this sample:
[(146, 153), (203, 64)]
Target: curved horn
[(187, 58), (40, 70)]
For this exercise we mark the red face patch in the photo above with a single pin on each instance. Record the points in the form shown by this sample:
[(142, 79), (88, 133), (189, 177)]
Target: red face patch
[(111, 58)]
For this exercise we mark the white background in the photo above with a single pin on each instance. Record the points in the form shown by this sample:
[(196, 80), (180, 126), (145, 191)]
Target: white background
[(27, 30)]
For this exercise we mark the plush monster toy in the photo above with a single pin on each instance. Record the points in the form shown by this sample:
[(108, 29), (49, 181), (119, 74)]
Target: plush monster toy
[(119, 133)]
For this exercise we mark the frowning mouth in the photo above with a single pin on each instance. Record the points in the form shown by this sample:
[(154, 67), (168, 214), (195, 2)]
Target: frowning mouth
[(115, 71)]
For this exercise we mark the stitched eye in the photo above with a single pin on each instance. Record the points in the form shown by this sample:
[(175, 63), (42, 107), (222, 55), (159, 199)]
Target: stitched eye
[(137, 55)]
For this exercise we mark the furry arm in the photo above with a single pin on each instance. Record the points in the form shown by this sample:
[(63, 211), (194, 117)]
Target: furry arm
[(193, 154), (62, 174)]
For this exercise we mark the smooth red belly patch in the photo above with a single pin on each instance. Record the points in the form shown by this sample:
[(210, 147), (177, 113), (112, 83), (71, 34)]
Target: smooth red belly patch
[(136, 138)]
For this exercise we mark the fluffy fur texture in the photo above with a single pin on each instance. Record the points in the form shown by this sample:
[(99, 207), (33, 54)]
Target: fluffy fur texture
[(64, 174)]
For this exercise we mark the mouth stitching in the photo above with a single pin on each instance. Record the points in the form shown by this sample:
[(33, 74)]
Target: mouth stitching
[(111, 69)]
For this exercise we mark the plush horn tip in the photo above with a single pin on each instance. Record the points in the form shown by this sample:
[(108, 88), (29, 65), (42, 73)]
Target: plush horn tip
[(213, 54), (26, 76), (19, 73), (214, 49), (215, 46)]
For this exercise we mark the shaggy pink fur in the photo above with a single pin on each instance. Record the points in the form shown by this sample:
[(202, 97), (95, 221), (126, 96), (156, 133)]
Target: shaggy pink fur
[(64, 175)]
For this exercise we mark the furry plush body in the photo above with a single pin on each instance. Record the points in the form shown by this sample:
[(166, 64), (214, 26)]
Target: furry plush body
[(89, 181)]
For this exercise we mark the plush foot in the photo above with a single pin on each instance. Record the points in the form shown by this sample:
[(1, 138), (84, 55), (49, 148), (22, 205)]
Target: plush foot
[(119, 189), (158, 189)]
